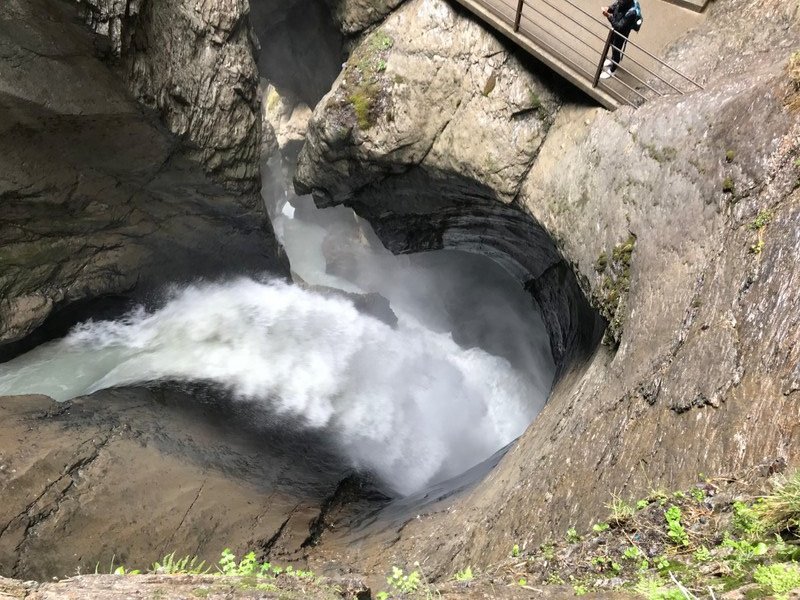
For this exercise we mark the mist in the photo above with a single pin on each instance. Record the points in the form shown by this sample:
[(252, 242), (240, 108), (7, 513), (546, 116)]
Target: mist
[(462, 371)]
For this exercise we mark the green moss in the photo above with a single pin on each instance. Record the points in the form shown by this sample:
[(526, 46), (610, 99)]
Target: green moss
[(729, 156), (611, 296), (601, 263), (381, 41), (728, 185), (363, 102), (763, 219), (534, 100), (661, 155), (364, 78)]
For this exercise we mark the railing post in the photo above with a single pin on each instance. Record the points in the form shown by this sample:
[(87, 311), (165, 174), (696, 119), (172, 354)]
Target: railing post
[(611, 33), (519, 15)]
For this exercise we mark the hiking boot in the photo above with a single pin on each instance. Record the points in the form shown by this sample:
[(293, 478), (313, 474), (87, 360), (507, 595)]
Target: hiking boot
[(607, 64), (606, 74)]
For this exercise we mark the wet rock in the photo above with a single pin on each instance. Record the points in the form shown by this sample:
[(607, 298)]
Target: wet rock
[(354, 16), (705, 338), (98, 200), (136, 475), (289, 119), (194, 63)]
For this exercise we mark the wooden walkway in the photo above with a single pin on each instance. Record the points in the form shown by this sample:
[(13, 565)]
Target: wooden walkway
[(569, 36)]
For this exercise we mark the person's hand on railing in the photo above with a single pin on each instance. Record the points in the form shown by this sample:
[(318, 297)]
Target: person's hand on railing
[(605, 10)]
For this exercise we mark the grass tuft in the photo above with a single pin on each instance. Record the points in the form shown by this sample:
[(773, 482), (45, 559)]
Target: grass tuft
[(780, 511)]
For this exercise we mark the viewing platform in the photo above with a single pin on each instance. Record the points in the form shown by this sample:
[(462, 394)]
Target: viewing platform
[(572, 36)]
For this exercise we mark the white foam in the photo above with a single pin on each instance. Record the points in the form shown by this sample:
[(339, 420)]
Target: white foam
[(408, 404)]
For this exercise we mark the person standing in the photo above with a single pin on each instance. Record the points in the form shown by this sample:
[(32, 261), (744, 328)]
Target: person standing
[(624, 16)]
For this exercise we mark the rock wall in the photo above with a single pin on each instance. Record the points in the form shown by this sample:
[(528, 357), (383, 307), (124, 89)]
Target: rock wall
[(354, 16), (194, 63), (132, 476), (98, 200), (676, 220), (448, 177)]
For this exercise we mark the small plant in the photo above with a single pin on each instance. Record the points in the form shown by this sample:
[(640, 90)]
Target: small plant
[(580, 590), (659, 496), (679, 495), (599, 561), (464, 576), (676, 531), (779, 579), (746, 520), (654, 588), (742, 553), (728, 185), (729, 156), (522, 581), (631, 553), (662, 563), (698, 494), (780, 510), (763, 219), (229, 566), (402, 583), (642, 504), (515, 551), (548, 551), (572, 536), (758, 247), (600, 527), (554, 579), (702, 554), (382, 41), (188, 565), (621, 511)]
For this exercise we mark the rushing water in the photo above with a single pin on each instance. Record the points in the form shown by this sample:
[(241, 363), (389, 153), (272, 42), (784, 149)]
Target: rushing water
[(406, 403)]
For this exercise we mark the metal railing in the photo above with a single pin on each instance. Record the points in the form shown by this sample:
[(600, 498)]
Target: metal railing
[(582, 42)]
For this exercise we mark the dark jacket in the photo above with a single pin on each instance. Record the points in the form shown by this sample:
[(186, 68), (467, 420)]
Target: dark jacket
[(622, 16)]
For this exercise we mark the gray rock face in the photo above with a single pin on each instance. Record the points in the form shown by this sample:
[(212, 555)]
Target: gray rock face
[(445, 177), (676, 221), (378, 120), (136, 475), (111, 18), (97, 200), (354, 16), (194, 63)]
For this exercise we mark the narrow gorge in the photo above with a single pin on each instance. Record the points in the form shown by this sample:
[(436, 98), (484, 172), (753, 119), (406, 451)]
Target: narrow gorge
[(366, 289)]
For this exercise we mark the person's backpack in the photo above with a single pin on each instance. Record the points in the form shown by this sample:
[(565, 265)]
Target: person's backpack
[(636, 11)]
